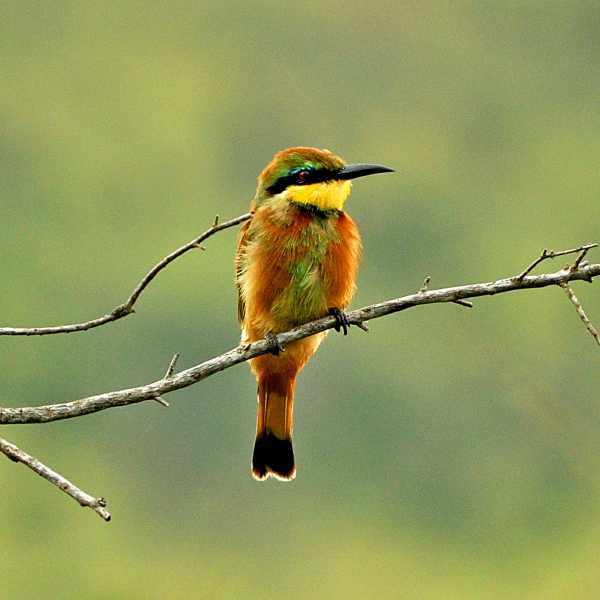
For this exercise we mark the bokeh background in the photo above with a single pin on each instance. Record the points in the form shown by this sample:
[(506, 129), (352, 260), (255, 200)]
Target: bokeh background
[(450, 453)]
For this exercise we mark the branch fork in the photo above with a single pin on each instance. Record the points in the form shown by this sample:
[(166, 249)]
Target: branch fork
[(546, 254), (578, 266)]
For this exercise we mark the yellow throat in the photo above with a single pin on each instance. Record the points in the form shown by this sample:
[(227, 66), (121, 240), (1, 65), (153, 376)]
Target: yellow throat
[(327, 195)]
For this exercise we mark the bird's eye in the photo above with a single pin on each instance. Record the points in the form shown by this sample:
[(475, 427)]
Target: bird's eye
[(302, 176)]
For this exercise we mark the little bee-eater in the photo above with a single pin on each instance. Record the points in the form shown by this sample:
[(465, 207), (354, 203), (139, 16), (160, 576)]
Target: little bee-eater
[(297, 261)]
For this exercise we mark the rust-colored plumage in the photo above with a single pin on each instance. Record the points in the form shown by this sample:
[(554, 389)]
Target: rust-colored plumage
[(297, 260)]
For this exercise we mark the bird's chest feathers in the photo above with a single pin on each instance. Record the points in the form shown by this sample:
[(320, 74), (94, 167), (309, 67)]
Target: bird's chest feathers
[(307, 249), (294, 252)]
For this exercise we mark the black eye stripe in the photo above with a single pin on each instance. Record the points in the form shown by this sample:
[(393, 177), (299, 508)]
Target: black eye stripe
[(307, 177)]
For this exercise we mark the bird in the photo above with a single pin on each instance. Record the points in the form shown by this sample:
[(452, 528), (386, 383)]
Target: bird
[(297, 260)]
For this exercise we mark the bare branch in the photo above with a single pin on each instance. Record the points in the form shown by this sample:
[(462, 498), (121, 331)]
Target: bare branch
[(579, 270), (579, 308), (244, 352), (127, 307), (98, 505)]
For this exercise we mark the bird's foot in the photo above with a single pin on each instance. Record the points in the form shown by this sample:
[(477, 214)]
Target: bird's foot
[(343, 323), (275, 346)]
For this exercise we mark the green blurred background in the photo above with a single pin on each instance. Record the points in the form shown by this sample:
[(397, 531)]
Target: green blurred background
[(450, 453)]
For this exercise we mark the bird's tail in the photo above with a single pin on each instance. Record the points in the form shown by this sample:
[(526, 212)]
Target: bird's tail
[(273, 453)]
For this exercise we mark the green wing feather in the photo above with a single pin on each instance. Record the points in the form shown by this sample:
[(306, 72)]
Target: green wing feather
[(239, 267)]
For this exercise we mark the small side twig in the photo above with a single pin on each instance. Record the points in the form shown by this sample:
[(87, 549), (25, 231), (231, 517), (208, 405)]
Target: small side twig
[(552, 254), (98, 505), (579, 259), (579, 308), (464, 303), (361, 325), (171, 367), (425, 288), (168, 374), (161, 401)]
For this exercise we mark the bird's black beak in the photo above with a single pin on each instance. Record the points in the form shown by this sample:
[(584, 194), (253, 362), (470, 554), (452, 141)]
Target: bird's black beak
[(360, 170)]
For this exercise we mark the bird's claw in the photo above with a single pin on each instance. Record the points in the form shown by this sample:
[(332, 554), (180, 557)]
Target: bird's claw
[(343, 323), (275, 346)]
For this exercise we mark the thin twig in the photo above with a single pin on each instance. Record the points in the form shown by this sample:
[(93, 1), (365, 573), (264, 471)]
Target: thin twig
[(98, 505), (580, 258), (127, 307), (171, 366), (579, 308), (551, 254), (244, 352)]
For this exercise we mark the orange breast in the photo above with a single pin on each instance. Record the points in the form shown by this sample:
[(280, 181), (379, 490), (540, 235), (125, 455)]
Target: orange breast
[(340, 267), (296, 266)]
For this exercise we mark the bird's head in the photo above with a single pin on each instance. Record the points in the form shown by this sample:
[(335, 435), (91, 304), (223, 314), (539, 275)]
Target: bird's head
[(311, 177)]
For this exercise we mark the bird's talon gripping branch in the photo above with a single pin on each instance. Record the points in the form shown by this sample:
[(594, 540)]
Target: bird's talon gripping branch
[(343, 323), (275, 346)]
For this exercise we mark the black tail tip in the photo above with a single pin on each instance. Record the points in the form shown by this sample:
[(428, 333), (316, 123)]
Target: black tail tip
[(273, 457)]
